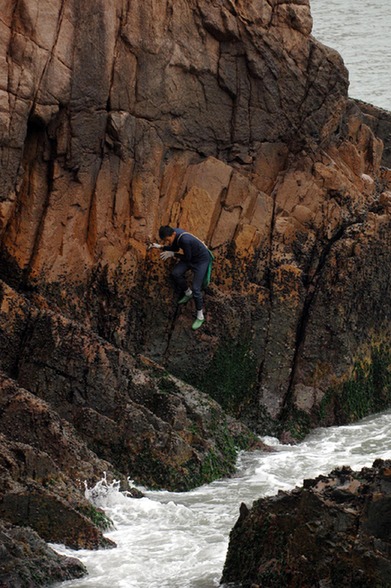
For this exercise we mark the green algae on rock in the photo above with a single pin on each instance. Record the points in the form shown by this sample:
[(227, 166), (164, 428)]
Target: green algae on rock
[(366, 391)]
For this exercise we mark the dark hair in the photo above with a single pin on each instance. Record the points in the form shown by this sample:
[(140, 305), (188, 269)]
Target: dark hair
[(165, 231)]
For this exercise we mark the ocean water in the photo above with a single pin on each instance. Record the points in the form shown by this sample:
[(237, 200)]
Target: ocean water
[(360, 31), (179, 540)]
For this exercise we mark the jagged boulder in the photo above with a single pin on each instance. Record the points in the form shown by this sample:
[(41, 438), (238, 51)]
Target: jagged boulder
[(332, 532), (26, 561), (148, 424)]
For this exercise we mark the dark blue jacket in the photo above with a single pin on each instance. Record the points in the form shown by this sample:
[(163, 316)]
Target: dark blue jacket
[(194, 251)]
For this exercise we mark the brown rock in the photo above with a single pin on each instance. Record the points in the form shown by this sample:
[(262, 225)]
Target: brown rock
[(229, 120), (141, 424), (43, 467), (379, 121), (334, 531), (26, 561)]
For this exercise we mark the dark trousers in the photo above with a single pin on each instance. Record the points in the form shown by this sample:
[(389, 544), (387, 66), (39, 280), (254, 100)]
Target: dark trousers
[(180, 282)]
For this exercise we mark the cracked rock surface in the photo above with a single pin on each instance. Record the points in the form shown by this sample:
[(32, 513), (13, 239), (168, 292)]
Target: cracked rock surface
[(334, 531), (26, 561)]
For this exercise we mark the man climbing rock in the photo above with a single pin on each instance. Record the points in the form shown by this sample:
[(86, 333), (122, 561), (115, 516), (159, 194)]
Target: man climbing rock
[(196, 257)]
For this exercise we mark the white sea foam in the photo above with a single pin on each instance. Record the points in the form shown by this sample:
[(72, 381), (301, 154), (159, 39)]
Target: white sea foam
[(179, 539)]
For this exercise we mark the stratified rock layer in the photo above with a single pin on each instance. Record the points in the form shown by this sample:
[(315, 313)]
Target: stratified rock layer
[(333, 532)]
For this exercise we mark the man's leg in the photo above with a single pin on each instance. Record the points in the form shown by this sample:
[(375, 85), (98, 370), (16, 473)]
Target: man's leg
[(199, 275), (177, 274)]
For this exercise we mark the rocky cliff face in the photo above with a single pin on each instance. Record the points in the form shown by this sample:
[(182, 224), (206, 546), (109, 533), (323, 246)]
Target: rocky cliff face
[(332, 532), (226, 118), (379, 120)]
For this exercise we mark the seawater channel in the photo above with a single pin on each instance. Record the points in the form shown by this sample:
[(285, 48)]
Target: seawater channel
[(180, 540)]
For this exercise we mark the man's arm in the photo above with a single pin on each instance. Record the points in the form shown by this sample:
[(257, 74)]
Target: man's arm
[(184, 245), (172, 247)]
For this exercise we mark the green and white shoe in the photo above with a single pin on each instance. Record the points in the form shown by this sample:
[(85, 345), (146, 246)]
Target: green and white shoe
[(185, 299), (197, 323)]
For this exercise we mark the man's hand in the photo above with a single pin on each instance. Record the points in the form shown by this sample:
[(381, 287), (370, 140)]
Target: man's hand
[(154, 246), (166, 255)]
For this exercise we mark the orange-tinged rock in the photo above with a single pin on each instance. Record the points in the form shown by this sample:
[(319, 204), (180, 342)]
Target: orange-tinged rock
[(200, 206), (172, 189), (269, 161), (258, 12), (287, 283), (198, 212), (226, 226), (303, 214), (211, 175), (353, 159), (245, 240), (240, 190)]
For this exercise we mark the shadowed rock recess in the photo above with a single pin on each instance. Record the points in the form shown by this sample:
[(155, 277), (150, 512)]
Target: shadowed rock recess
[(228, 119)]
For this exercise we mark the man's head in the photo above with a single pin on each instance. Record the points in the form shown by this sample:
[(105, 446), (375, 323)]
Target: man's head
[(167, 234)]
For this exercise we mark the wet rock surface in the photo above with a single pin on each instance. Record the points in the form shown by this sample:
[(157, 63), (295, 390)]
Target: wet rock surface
[(44, 466), (26, 561), (334, 531)]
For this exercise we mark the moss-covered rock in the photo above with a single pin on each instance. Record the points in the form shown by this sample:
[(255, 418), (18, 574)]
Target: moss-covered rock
[(365, 391), (368, 390), (231, 378)]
